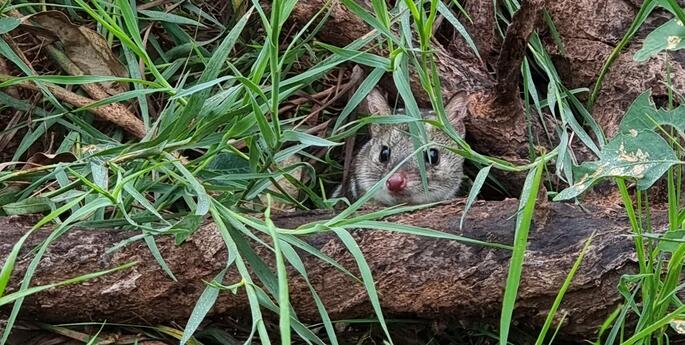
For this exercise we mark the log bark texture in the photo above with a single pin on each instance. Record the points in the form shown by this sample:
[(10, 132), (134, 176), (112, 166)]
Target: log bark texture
[(416, 277)]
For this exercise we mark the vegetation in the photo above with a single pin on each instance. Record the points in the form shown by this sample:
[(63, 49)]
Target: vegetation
[(212, 123)]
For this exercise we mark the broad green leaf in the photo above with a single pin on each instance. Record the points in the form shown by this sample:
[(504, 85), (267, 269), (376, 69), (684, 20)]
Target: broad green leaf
[(668, 36), (642, 155), (186, 227), (644, 115)]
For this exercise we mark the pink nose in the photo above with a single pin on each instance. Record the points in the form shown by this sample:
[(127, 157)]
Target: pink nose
[(396, 182)]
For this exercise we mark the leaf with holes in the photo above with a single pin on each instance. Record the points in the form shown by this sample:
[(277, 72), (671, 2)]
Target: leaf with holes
[(644, 115), (642, 155)]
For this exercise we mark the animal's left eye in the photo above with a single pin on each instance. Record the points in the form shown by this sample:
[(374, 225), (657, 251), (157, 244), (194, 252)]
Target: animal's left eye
[(385, 154), (432, 156)]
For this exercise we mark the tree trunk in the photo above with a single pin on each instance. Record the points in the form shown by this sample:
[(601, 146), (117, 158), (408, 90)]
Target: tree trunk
[(415, 276)]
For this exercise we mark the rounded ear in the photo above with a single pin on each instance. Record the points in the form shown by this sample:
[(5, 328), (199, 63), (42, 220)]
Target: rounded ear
[(375, 103), (456, 110)]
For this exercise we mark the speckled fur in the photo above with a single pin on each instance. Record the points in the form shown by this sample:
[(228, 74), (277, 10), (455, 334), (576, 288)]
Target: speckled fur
[(444, 178)]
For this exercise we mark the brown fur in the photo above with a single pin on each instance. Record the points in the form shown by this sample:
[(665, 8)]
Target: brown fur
[(444, 178)]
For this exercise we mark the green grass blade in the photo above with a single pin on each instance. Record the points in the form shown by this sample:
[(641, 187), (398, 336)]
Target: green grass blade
[(283, 294), (445, 11), (203, 305), (10, 260), (35, 289), (647, 331), (418, 231), (56, 233), (475, 189), (523, 221), (364, 88), (365, 271), (294, 259), (362, 58), (213, 68), (154, 250), (257, 319), (560, 295), (644, 12)]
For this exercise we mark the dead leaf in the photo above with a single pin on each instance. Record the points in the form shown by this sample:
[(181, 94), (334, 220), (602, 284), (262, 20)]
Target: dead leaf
[(85, 47), (678, 326)]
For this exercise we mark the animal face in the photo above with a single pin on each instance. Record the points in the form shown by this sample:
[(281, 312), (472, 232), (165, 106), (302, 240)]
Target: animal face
[(388, 147)]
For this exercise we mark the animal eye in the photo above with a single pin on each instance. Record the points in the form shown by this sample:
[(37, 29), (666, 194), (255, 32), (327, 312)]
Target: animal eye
[(385, 154), (432, 156)]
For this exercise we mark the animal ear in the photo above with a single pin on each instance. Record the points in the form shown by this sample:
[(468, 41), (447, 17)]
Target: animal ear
[(456, 110), (375, 103)]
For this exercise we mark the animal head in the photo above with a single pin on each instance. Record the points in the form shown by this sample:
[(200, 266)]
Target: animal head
[(389, 145)]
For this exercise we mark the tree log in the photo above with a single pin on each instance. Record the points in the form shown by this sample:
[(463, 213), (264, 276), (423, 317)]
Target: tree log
[(416, 277)]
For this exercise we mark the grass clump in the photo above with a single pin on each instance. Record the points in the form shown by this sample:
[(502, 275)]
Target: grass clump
[(228, 136)]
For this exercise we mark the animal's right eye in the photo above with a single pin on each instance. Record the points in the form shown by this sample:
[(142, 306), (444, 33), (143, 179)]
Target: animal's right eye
[(385, 154)]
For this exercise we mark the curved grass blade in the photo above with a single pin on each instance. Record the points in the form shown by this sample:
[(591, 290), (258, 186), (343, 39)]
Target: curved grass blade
[(305, 333), (445, 11), (418, 231), (560, 295), (365, 271), (364, 88), (56, 233), (646, 8), (523, 221), (283, 294), (202, 307), (475, 189), (10, 260), (291, 255), (257, 319), (35, 289)]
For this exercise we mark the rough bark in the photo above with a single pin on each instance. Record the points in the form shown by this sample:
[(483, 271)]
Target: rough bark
[(590, 30), (415, 276)]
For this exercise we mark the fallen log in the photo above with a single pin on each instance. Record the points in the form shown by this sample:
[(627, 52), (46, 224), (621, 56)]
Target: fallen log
[(416, 277)]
